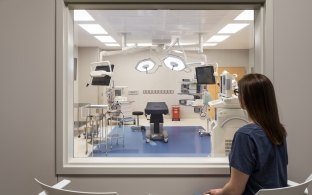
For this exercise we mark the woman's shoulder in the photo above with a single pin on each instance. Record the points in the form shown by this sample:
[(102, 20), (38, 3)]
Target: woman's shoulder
[(250, 129)]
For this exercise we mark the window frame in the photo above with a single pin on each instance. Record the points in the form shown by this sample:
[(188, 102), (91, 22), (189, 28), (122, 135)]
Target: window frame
[(66, 164)]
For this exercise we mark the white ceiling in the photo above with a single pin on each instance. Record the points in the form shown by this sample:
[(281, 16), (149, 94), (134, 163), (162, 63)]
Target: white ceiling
[(146, 26)]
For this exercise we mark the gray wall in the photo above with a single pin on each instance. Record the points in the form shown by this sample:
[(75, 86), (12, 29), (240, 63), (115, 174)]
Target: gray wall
[(292, 79), (27, 115), (27, 95)]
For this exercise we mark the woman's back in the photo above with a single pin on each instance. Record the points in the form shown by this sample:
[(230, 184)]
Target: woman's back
[(255, 155)]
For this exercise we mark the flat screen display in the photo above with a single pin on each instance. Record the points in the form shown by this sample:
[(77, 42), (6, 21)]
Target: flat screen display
[(118, 92), (204, 75), (104, 81)]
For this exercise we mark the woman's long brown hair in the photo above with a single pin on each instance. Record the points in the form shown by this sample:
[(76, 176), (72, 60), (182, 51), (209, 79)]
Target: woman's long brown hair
[(257, 96)]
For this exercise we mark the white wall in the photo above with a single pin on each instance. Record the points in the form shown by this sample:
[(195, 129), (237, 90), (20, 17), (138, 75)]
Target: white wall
[(163, 79), (77, 77), (86, 56), (27, 114)]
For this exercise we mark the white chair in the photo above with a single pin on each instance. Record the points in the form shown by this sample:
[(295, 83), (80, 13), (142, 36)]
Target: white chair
[(293, 188), (57, 189)]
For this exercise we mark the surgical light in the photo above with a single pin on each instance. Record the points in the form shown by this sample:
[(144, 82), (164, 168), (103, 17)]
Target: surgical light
[(174, 63), (232, 28), (93, 28), (145, 65), (82, 15)]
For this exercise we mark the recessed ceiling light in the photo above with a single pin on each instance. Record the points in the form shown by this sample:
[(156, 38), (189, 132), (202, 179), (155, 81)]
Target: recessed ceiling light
[(232, 28), (145, 44), (130, 44), (246, 15), (112, 44), (93, 28), (105, 39), (186, 44), (82, 15), (210, 44), (218, 38)]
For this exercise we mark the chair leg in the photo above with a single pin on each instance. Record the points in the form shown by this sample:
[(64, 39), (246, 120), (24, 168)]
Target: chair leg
[(138, 121)]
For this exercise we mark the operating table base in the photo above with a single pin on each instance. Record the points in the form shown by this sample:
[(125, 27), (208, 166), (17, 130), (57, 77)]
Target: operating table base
[(151, 135)]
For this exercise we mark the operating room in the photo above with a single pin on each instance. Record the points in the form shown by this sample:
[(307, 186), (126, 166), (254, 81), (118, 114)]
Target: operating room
[(137, 37)]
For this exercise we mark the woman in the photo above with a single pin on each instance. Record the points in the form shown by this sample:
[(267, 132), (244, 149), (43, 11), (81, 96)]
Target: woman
[(258, 157)]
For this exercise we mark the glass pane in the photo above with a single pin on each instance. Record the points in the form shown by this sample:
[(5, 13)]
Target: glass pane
[(136, 89)]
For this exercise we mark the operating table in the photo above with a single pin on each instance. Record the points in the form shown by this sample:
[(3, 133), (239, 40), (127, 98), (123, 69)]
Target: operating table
[(156, 130)]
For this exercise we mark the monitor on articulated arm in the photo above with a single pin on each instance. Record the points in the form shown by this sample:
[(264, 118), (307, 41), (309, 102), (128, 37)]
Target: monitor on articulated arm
[(205, 75), (103, 80)]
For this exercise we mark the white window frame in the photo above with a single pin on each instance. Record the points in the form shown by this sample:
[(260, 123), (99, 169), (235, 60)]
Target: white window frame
[(66, 163)]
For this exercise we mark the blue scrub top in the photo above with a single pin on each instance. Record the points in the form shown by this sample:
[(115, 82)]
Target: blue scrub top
[(253, 154)]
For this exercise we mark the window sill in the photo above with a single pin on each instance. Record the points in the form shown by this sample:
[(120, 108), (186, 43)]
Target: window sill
[(145, 166)]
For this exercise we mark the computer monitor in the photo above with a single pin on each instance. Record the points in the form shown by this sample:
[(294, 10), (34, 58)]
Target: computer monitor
[(204, 75), (102, 80), (118, 92)]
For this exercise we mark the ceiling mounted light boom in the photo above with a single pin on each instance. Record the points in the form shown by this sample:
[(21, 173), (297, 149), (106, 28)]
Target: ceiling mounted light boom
[(145, 65)]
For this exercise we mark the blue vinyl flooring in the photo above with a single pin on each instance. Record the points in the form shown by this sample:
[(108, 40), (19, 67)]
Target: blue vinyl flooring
[(184, 141)]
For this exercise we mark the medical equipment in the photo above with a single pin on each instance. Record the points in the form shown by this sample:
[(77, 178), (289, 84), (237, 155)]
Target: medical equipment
[(90, 128), (78, 123), (101, 73), (229, 116), (145, 65), (156, 131), (95, 125), (119, 94), (111, 133), (98, 126), (226, 87), (188, 87), (173, 57), (117, 100), (204, 112), (205, 75), (174, 62)]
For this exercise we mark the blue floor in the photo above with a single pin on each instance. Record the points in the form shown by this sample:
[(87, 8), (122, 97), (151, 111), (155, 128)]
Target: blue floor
[(184, 141)]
